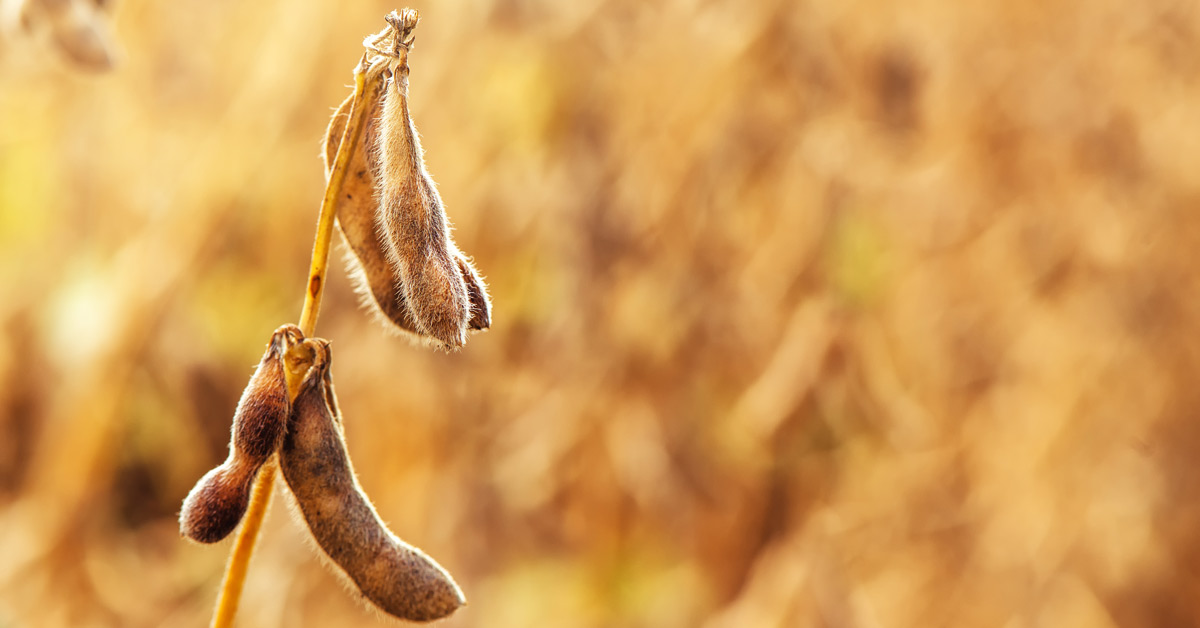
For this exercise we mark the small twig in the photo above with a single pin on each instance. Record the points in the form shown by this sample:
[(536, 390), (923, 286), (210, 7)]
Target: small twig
[(243, 547)]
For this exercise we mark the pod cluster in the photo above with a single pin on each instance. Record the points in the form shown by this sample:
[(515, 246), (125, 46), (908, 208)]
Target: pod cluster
[(306, 433), (402, 256), (409, 270)]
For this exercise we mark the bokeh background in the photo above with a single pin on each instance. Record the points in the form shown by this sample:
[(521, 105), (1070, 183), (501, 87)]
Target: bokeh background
[(806, 313)]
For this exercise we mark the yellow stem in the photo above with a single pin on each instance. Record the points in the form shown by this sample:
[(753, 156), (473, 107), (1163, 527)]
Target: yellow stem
[(243, 547)]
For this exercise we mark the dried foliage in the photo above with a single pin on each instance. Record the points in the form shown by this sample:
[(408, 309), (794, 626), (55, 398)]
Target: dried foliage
[(825, 313)]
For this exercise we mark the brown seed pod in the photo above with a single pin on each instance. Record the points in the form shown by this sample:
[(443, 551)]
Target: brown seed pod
[(392, 575), (411, 216), (481, 305), (367, 262), (217, 503)]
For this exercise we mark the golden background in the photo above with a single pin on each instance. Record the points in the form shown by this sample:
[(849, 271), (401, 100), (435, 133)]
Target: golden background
[(806, 313)]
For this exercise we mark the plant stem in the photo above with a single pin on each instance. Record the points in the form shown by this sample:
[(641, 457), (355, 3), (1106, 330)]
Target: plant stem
[(243, 547)]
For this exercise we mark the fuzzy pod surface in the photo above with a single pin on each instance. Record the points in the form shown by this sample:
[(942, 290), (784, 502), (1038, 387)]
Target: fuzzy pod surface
[(215, 506), (392, 575), (411, 215), (371, 265)]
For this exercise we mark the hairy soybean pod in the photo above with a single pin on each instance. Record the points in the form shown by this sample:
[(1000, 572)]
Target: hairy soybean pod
[(367, 261), (394, 576), (217, 503), (411, 216), (481, 305), (374, 279), (370, 262)]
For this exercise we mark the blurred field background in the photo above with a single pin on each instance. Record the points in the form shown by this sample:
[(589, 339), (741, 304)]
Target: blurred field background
[(806, 313)]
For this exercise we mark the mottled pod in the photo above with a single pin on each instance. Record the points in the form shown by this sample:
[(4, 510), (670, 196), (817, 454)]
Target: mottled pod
[(392, 575), (411, 216), (217, 503)]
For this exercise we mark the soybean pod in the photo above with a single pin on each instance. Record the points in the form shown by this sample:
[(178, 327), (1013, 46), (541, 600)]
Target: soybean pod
[(392, 575), (217, 503)]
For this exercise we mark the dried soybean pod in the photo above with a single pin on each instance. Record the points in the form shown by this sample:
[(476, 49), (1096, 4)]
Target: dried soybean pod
[(395, 577), (481, 305), (366, 262), (411, 215), (217, 503)]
